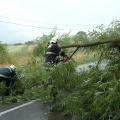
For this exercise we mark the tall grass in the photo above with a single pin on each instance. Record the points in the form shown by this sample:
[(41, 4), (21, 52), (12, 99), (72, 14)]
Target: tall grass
[(19, 54), (81, 58), (4, 56)]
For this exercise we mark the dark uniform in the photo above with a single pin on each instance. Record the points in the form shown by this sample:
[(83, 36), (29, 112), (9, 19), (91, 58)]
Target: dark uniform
[(7, 75), (53, 50)]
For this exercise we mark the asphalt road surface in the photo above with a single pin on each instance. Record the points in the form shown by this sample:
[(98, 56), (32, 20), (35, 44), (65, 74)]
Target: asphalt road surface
[(33, 110), (29, 111), (86, 66)]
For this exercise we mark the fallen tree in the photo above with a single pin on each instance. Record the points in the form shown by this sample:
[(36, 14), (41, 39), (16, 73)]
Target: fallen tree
[(91, 44)]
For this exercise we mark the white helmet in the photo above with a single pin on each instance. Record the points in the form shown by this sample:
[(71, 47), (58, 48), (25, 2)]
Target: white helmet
[(13, 67), (53, 40)]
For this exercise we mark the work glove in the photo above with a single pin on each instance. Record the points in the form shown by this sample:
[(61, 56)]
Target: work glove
[(66, 58)]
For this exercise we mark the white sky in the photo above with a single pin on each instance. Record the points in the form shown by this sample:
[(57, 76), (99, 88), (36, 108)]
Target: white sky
[(41, 16)]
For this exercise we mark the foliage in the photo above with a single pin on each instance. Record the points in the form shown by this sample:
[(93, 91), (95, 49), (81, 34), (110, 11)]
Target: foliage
[(42, 43), (87, 95), (64, 39), (28, 83), (80, 37), (15, 49), (3, 54)]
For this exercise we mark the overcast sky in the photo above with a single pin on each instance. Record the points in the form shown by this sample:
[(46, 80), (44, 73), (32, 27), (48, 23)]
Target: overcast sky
[(25, 20)]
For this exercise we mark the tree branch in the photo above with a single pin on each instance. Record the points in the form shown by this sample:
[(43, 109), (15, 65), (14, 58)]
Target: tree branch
[(91, 44)]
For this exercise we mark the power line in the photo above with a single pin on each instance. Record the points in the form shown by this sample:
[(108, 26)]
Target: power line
[(38, 21), (26, 20), (39, 26), (24, 25)]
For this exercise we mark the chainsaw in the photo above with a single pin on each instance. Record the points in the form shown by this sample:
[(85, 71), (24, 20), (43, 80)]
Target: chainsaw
[(68, 58)]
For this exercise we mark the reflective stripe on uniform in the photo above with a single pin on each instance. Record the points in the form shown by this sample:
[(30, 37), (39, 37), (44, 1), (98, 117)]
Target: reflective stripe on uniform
[(49, 46), (50, 53), (60, 52), (5, 76)]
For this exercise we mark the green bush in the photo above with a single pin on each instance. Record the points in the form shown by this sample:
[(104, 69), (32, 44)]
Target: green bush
[(87, 95), (3, 54)]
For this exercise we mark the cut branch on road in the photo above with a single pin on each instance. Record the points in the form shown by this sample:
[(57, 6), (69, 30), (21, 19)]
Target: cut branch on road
[(91, 44)]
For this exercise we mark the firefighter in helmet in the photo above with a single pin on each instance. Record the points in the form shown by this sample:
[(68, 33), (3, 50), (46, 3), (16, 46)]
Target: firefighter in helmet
[(53, 51), (8, 75)]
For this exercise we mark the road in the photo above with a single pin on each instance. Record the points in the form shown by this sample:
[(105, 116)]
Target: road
[(86, 66), (33, 110)]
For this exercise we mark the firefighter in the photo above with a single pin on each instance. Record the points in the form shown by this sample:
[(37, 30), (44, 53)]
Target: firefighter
[(8, 75), (53, 51), (52, 58)]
